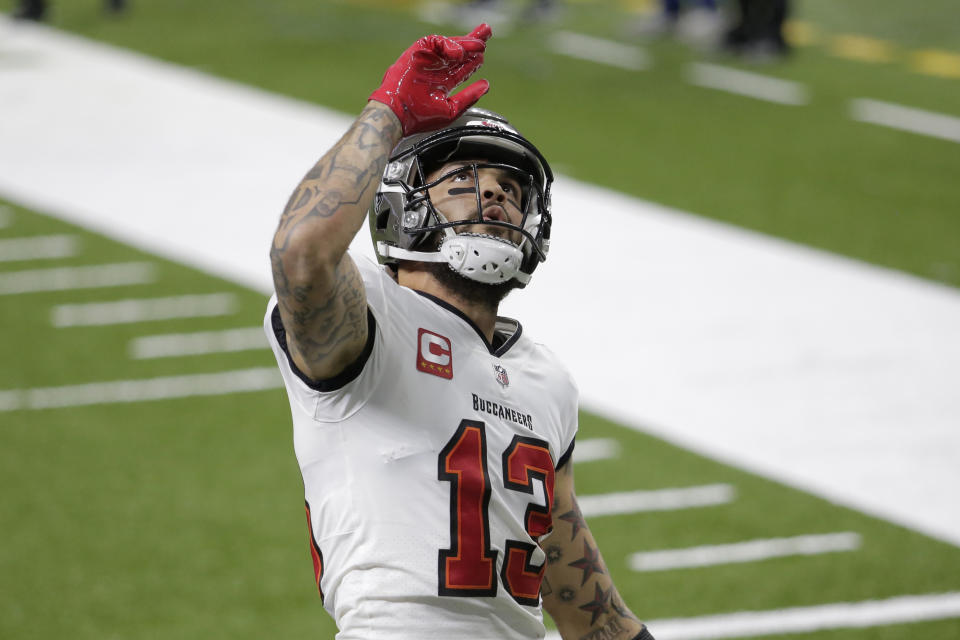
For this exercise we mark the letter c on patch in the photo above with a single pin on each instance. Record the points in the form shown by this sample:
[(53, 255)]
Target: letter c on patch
[(435, 349), (434, 354)]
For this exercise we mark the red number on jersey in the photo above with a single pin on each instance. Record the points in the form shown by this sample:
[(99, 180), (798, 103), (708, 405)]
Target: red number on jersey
[(526, 460), (468, 567)]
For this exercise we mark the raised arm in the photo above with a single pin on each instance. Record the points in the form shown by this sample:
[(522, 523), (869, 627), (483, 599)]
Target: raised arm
[(578, 592), (319, 289)]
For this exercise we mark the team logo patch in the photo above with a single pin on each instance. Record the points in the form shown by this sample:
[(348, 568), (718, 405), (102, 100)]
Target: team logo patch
[(502, 376), (434, 354)]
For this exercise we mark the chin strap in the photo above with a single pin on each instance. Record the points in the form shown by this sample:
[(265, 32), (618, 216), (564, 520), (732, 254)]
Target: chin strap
[(479, 257)]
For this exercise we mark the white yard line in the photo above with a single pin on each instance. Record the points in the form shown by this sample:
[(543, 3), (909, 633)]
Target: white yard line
[(895, 116), (67, 278), (748, 551), (199, 343), (608, 504), (596, 449), (9, 400), (123, 391), (37, 248), (841, 615), (745, 83), (143, 310), (608, 52)]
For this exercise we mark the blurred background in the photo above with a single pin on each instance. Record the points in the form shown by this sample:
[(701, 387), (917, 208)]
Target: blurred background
[(754, 278)]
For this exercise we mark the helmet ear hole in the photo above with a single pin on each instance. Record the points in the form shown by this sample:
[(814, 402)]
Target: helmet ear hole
[(383, 218)]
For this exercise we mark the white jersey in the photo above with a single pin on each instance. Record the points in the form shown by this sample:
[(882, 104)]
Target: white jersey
[(428, 469)]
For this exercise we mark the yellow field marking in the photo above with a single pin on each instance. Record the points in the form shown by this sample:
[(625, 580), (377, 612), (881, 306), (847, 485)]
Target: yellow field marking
[(801, 33), (935, 62), (639, 6), (862, 48), (383, 3)]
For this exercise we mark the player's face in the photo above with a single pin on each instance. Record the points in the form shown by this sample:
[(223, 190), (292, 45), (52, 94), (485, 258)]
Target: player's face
[(500, 197)]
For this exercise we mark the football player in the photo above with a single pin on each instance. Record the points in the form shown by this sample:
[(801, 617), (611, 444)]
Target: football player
[(434, 437)]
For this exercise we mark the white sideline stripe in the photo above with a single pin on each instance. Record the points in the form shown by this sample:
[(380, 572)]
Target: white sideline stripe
[(745, 83), (37, 247), (578, 45), (202, 342), (841, 615), (143, 310), (658, 500), (64, 278), (895, 116), (123, 391), (596, 449), (749, 551)]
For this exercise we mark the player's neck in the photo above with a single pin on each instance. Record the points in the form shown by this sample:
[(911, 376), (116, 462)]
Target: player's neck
[(483, 314)]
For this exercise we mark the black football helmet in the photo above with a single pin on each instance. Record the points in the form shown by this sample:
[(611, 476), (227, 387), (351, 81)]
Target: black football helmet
[(406, 225)]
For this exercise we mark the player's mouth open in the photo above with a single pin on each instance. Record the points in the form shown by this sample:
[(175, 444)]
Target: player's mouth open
[(495, 212)]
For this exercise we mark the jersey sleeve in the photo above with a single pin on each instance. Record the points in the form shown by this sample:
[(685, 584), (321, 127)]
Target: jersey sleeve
[(339, 397), (565, 395), (569, 419)]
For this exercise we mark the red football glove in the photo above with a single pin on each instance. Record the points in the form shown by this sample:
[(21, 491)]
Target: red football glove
[(417, 86)]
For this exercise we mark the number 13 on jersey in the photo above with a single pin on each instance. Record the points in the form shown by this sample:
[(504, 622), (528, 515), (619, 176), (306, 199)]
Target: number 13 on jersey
[(468, 567)]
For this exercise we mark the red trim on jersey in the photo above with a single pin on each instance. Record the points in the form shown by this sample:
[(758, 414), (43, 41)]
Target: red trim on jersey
[(315, 554)]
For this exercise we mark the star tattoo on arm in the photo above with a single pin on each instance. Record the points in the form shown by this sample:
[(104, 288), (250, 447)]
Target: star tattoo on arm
[(598, 605), (554, 553), (575, 518), (590, 563)]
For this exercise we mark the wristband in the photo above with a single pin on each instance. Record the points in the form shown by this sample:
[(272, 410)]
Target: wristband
[(643, 635)]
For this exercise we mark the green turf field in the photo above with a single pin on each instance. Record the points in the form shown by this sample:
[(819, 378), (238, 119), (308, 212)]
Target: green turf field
[(182, 518)]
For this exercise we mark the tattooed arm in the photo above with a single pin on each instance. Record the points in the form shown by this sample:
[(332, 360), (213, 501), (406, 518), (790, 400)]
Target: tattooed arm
[(578, 592), (320, 293)]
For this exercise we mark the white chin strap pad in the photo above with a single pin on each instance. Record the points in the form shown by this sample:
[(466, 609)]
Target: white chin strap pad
[(483, 258)]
